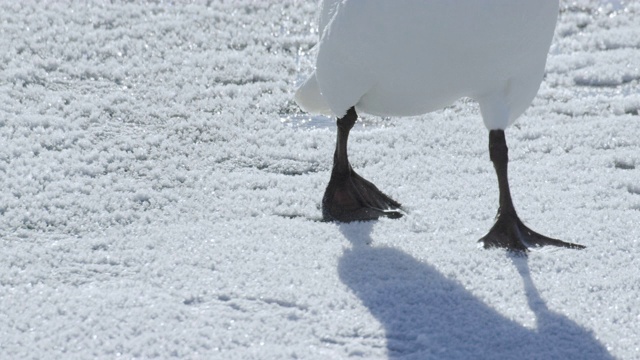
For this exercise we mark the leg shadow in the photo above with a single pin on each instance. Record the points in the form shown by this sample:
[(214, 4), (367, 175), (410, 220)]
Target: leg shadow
[(427, 316)]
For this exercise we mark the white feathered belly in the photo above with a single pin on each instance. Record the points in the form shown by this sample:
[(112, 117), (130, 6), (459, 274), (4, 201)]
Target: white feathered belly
[(409, 57)]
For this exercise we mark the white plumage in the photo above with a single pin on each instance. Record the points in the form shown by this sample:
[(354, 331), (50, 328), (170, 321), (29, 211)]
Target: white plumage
[(409, 57)]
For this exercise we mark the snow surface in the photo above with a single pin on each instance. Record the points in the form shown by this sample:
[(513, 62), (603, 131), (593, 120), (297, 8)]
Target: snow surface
[(159, 186)]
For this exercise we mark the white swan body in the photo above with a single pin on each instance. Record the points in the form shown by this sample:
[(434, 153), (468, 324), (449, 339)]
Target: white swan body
[(410, 57)]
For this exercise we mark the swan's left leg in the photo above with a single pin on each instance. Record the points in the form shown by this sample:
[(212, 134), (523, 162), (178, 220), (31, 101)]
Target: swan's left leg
[(509, 231)]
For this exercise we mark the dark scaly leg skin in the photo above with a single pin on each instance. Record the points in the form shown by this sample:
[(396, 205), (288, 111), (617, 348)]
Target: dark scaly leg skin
[(349, 197), (509, 231)]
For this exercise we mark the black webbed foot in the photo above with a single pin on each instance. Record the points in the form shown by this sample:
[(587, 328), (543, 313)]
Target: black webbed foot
[(350, 197), (511, 233)]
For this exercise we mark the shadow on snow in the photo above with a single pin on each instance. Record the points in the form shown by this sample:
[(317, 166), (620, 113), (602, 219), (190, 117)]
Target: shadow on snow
[(427, 316)]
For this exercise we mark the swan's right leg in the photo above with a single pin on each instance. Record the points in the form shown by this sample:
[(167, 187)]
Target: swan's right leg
[(348, 196)]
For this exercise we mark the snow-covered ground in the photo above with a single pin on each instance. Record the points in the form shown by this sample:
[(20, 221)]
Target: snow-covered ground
[(159, 186)]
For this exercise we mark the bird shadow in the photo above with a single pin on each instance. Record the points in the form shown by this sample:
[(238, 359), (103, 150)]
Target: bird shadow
[(428, 316)]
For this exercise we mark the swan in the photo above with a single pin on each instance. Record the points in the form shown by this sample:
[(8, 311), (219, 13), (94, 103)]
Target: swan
[(410, 57)]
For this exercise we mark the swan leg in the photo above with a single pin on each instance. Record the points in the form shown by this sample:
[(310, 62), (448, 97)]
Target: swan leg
[(509, 231), (350, 197)]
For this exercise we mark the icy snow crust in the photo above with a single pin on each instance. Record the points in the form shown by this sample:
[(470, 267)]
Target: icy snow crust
[(159, 185)]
